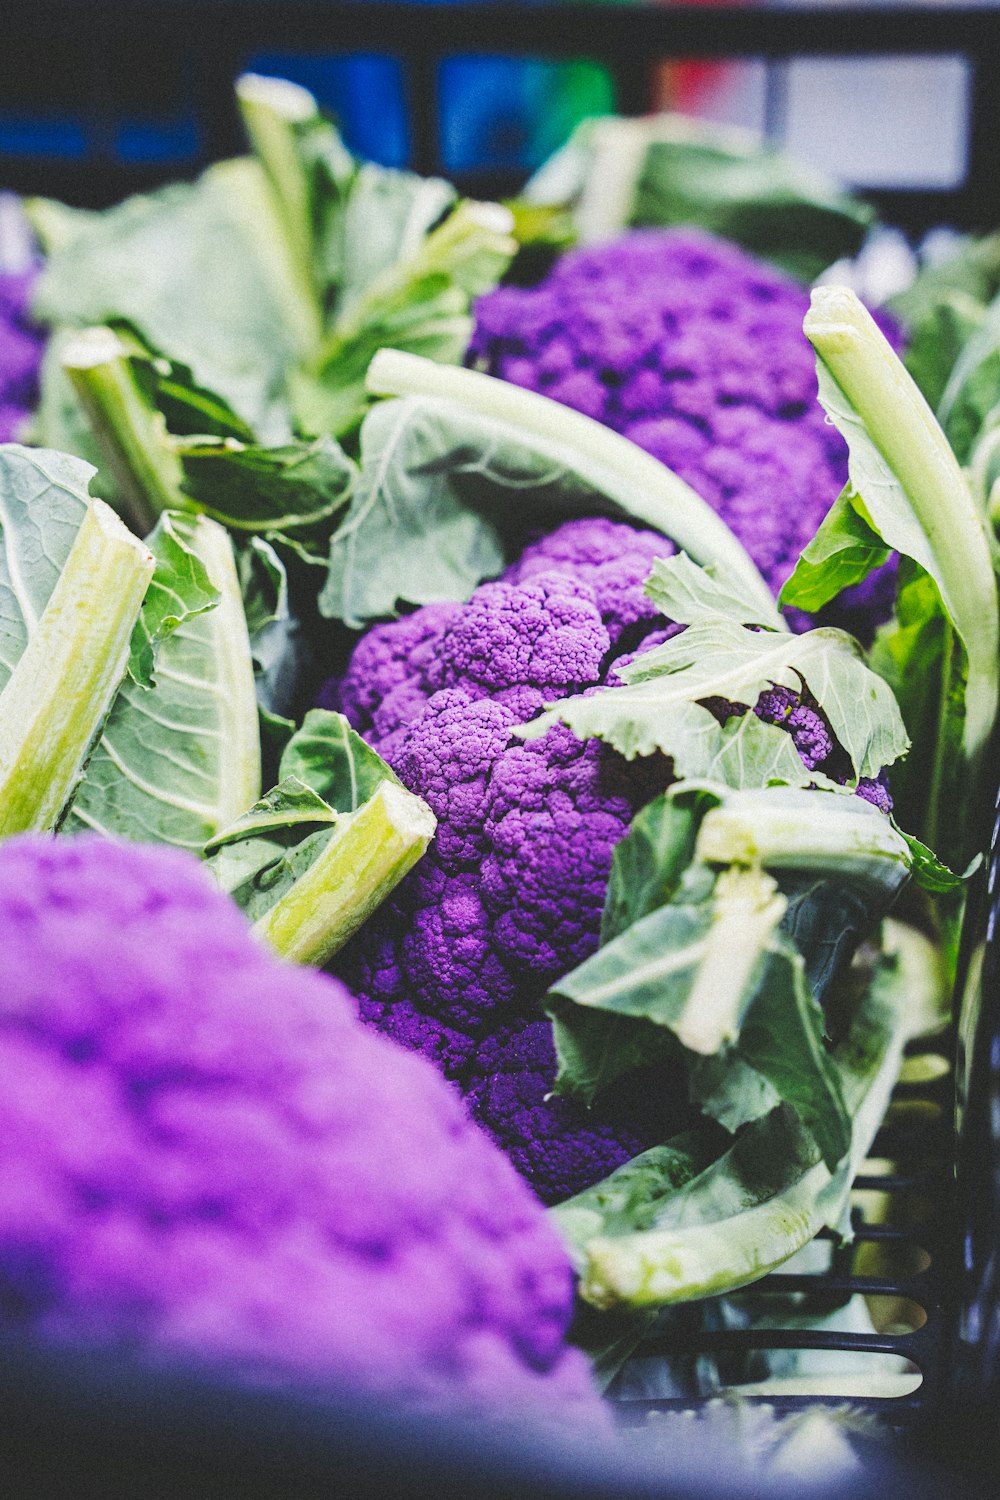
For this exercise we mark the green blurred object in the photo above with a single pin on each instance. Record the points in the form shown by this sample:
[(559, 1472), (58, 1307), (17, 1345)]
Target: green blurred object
[(616, 173), (510, 112)]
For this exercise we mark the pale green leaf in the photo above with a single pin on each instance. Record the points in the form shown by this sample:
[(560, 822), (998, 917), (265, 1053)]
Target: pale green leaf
[(43, 500), (688, 594), (269, 489), (658, 709), (201, 271), (179, 761)]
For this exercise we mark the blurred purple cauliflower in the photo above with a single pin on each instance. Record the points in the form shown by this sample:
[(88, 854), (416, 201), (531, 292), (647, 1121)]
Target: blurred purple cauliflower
[(204, 1157), (21, 346), (694, 350), (509, 897)]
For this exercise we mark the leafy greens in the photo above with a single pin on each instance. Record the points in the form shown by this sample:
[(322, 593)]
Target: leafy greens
[(714, 969), (907, 493), (274, 278), (615, 173)]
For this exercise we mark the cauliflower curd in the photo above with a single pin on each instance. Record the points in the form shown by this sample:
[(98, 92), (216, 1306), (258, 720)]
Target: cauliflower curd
[(509, 896), (204, 1157)]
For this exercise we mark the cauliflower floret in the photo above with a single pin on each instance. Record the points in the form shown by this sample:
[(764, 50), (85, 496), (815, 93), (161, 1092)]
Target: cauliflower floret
[(21, 346), (205, 1158), (509, 896), (694, 350)]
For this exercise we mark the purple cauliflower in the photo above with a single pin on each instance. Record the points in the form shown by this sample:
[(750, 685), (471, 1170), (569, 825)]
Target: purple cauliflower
[(21, 346), (204, 1157), (811, 736), (694, 350), (509, 897)]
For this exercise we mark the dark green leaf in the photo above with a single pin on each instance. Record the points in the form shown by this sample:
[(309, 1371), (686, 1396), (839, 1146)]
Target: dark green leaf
[(916, 653), (843, 552), (936, 343), (280, 816), (782, 1038), (328, 756), (264, 585), (729, 1090), (942, 309), (275, 636), (275, 732), (188, 409), (254, 488), (930, 873), (258, 858), (668, 170), (973, 388), (596, 1048), (972, 271), (647, 864), (756, 195)]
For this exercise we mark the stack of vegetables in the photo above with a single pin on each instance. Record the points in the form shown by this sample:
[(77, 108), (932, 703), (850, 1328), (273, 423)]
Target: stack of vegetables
[(573, 812)]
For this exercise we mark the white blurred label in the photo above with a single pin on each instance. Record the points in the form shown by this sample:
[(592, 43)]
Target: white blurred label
[(897, 122)]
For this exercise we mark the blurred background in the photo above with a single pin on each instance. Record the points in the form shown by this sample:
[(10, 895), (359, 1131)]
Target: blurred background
[(894, 99)]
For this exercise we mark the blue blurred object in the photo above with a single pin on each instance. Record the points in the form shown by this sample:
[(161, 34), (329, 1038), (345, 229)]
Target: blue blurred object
[(494, 111), (24, 135), (514, 112), (157, 141), (363, 92)]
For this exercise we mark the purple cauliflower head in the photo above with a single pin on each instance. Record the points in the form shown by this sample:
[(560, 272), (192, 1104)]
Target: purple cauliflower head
[(509, 896), (204, 1157), (695, 351), (21, 346)]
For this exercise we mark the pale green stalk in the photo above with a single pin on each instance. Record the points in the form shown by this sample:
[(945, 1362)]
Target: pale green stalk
[(793, 829), (746, 908), (131, 434), (658, 1267), (61, 690), (274, 110), (370, 852), (237, 697), (606, 460), (907, 435)]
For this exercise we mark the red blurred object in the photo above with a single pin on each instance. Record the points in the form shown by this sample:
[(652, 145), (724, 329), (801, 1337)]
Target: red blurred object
[(687, 86)]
